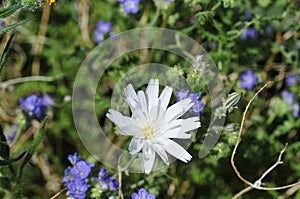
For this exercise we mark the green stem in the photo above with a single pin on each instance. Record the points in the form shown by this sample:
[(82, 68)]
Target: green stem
[(216, 6)]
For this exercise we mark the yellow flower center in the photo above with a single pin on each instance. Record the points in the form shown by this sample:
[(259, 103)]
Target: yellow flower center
[(148, 131)]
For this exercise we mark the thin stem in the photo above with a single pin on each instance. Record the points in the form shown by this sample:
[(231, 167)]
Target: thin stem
[(38, 48), (120, 178), (245, 116), (239, 194), (58, 193), (10, 82)]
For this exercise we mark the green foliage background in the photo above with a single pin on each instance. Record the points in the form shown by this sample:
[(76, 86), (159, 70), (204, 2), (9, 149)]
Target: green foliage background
[(217, 26)]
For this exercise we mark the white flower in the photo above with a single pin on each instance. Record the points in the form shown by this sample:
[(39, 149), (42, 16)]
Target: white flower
[(153, 125)]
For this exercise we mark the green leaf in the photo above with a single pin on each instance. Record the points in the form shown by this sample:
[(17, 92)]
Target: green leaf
[(204, 16), (37, 140), (11, 26), (9, 161), (5, 183), (6, 12), (4, 148), (5, 52)]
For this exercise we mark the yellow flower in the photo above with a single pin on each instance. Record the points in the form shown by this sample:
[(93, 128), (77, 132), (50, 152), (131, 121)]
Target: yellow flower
[(51, 1)]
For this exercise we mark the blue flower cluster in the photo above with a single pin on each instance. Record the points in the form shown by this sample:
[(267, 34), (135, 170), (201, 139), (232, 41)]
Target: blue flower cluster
[(103, 28), (248, 80), (107, 182), (289, 97), (76, 177), (36, 106), (130, 6), (142, 194), (195, 97)]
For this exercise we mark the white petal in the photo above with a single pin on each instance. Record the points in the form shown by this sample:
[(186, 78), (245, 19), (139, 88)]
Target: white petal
[(131, 130), (157, 115), (140, 117), (131, 97), (152, 92), (165, 97), (190, 124), (119, 119), (143, 101), (161, 152), (148, 158), (127, 125), (178, 109), (176, 150), (136, 144)]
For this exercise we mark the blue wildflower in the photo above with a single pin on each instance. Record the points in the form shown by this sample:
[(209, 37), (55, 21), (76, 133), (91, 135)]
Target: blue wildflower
[(290, 80), (81, 169), (195, 97), (288, 96), (248, 80), (169, 1), (296, 109), (77, 188), (75, 178), (113, 185), (130, 6), (103, 175), (68, 177), (249, 33), (142, 194), (103, 27), (35, 105), (73, 158), (248, 15)]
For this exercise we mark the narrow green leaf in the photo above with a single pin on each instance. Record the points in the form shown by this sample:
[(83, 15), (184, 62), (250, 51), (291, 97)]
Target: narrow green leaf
[(9, 161), (204, 16), (37, 140), (5, 183), (12, 26), (4, 148), (6, 12), (5, 52)]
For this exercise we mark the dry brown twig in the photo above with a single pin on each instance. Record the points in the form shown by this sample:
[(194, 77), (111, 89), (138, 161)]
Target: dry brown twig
[(257, 184)]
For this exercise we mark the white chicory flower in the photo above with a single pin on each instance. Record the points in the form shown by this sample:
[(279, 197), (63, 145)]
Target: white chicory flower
[(153, 125)]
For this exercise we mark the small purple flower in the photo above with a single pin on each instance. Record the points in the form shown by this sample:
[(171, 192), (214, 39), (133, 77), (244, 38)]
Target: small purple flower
[(249, 33), (290, 80), (81, 169), (98, 38), (103, 27), (36, 106), (169, 1), (248, 15), (111, 197), (77, 189), (13, 132), (112, 36), (248, 80), (103, 175), (288, 96), (142, 194), (268, 29), (68, 177), (296, 109), (73, 158), (182, 94), (195, 97), (113, 185), (131, 6)]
